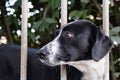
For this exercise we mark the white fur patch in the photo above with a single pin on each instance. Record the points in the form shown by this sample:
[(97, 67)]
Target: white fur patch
[(54, 47), (91, 69)]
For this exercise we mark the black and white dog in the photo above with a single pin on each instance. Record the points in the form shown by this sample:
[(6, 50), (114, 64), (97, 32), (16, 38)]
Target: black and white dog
[(79, 44)]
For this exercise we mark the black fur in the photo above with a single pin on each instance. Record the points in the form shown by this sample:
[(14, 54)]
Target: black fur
[(10, 66)]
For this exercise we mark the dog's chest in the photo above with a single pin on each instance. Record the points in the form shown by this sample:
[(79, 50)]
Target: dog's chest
[(92, 70)]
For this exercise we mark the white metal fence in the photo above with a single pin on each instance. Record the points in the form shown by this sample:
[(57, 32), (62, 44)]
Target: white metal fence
[(63, 21)]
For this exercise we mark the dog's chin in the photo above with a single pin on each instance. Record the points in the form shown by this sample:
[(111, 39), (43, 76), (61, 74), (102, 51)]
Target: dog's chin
[(48, 63), (53, 63)]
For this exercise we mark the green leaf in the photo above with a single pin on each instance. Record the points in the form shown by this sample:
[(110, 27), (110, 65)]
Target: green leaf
[(43, 1), (17, 4), (117, 74), (72, 2), (50, 20), (54, 4), (31, 36), (43, 26), (115, 38), (85, 1), (79, 14), (37, 24), (83, 14), (75, 14), (115, 30), (112, 68), (55, 14)]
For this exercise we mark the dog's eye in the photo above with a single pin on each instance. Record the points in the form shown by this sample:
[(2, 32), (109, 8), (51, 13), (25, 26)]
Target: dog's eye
[(68, 34)]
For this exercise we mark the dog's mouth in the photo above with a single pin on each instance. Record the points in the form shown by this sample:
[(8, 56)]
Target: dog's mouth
[(63, 58), (58, 60), (46, 62)]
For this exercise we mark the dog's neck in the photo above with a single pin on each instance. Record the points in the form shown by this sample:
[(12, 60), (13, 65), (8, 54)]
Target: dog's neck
[(92, 70)]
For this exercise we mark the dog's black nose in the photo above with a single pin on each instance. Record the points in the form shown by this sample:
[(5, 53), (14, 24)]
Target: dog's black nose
[(42, 54)]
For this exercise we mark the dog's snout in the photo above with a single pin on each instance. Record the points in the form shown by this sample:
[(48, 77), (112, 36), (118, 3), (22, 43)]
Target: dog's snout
[(42, 54)]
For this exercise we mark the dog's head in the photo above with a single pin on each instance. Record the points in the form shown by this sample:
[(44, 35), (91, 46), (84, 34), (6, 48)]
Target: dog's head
[(78, 40)]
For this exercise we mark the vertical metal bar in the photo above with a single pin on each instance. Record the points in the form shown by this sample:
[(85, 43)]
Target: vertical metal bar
[(106, 16), (63, 12), (63, 21), (23, 75), (106, 29)]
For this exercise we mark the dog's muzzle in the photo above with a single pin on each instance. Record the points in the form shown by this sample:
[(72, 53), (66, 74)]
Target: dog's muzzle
[(51, 54), (42, 54)]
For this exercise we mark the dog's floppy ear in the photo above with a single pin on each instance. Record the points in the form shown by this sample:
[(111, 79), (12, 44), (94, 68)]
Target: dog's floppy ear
[(101, 46)]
